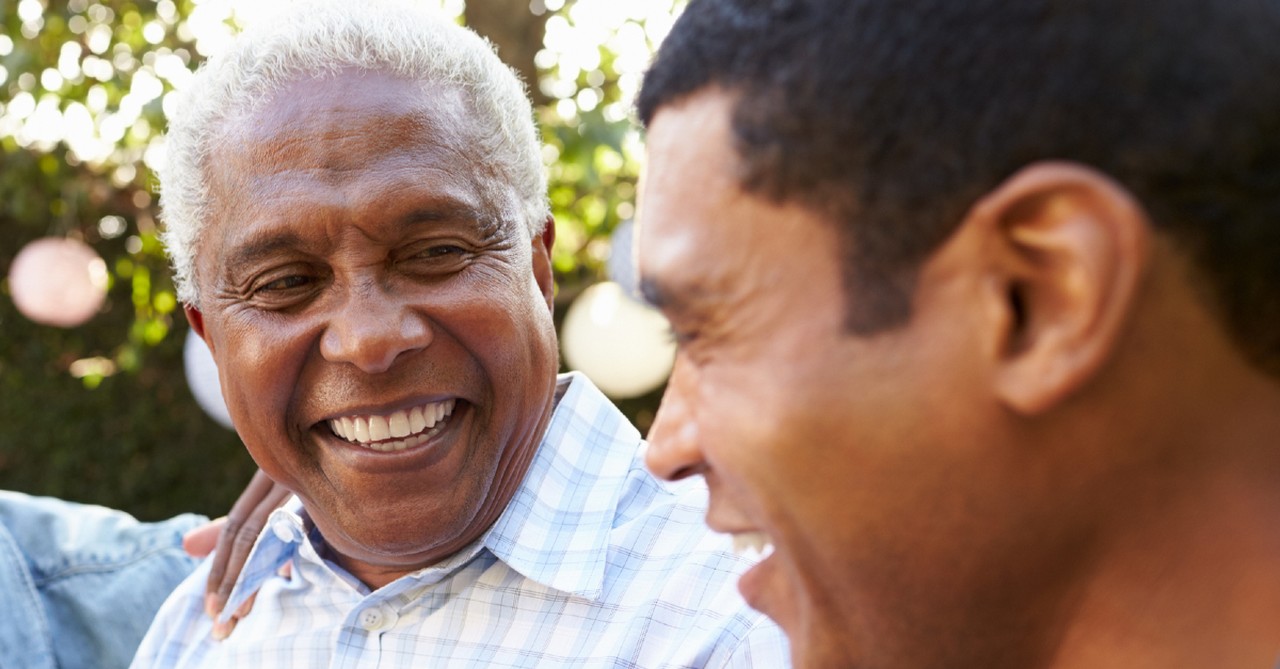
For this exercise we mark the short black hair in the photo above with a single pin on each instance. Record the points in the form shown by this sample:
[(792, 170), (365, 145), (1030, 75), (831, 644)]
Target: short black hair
[(892, 117)]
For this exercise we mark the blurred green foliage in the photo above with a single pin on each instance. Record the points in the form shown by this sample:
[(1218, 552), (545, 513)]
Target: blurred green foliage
[(82, 94)]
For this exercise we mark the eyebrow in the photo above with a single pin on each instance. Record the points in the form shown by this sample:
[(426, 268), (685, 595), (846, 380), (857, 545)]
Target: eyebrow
[(488, 225), (450, 209), (262, 248)]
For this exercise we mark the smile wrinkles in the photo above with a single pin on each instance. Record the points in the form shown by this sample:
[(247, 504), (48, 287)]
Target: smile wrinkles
[(395, 431)]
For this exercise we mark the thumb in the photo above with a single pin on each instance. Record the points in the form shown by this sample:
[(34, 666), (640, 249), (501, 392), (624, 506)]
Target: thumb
[(199, 542)]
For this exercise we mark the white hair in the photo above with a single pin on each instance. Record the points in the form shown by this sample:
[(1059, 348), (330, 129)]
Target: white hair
[(314, 38)]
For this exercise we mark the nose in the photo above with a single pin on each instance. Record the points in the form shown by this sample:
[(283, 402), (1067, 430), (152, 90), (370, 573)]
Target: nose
[(372, 329), (673, 451)]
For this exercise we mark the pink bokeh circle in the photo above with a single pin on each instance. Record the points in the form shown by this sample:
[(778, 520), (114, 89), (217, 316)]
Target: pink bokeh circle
[(58, 281)]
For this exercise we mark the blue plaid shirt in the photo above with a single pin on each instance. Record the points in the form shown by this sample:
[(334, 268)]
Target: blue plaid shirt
[(595, 563)]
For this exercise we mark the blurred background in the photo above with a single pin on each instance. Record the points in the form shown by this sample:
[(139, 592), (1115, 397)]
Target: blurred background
[(104, 398)]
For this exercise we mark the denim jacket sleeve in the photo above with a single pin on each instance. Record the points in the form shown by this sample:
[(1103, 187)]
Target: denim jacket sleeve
[(79, 584)]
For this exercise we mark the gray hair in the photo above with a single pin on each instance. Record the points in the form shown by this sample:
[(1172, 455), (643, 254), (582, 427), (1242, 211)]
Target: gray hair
[(322, 37)]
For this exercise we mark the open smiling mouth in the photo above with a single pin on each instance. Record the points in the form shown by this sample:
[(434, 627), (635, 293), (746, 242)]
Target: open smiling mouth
[(754, 546), (396, 431)]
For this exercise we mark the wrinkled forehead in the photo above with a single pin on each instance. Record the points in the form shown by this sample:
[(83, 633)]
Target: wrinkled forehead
[(342, 126), (379, 110)]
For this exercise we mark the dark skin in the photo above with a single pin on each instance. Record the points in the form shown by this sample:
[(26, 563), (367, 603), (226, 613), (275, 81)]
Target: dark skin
[(353, 267), (369, 271)]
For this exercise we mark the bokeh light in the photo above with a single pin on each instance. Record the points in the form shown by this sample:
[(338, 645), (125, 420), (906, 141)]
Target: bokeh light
[(624, 346), (202, 377), (57, 281)]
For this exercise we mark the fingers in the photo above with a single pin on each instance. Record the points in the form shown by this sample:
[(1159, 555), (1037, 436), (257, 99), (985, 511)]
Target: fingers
[(222, 630), (236, 539), (199, 542), (234, 544)]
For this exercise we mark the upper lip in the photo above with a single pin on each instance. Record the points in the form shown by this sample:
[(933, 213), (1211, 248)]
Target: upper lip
[(733, 529), (724, 519), (737, 531)]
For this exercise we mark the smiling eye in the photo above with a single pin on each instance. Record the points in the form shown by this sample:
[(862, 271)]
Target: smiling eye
[(285, 283), (282, 291), (441, 251), (438, 259)]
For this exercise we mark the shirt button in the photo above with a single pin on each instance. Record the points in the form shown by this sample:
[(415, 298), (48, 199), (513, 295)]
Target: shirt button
[(371, 619), (284, 530)]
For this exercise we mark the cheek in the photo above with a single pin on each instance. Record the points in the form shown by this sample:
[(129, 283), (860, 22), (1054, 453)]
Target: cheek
[(803, 447), (507, 324), (745, 432), (509, 340), (259, 367)]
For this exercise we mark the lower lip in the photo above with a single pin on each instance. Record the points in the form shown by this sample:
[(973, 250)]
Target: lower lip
[(753, 582)]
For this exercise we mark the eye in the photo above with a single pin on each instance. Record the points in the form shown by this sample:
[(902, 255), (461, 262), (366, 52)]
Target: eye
[(437, 259), (441, 251), (285, 289), (285, 283)]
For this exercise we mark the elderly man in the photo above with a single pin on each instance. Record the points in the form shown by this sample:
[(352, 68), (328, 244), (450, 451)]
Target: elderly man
[(987, 358), (356, 212)]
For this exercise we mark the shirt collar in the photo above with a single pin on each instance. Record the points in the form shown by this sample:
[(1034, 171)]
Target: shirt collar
[(276, 545), (556, 528)]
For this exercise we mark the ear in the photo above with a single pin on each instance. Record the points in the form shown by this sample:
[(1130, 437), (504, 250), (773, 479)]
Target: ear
[(542, 271), (196, 320), (1070, 247)]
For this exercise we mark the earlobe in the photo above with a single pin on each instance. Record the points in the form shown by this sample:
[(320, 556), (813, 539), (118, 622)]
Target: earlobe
[(196, 319), (1070, 249)]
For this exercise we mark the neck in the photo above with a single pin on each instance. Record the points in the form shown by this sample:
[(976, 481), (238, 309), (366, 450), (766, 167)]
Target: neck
[(1189, 573)]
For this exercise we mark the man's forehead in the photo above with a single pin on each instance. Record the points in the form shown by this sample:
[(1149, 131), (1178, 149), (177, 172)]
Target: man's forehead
[(340, 126), (689, 171), (695, 128), (375, 108), (704, 240), (358, 146), (328, 147)]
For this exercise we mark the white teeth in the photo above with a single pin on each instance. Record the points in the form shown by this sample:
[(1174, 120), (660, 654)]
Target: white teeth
[(754, 546), (378, 428), (416, 422), (400, 444), (396, 431), (399, 423)]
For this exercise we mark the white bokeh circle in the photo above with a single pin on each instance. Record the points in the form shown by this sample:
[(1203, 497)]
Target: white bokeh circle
[(202, 376), (624, 346)]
